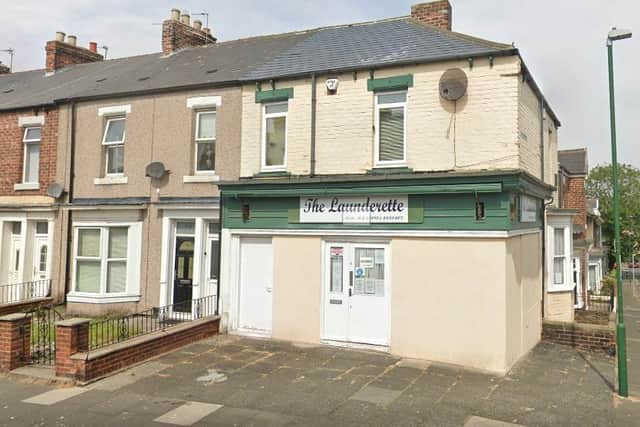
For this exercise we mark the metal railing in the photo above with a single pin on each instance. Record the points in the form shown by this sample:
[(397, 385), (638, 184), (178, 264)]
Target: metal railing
[(26, 291), (117, 329)]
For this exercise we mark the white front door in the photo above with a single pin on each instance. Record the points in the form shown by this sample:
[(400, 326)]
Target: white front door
[(256, 285), (15, 259), (356, 303)]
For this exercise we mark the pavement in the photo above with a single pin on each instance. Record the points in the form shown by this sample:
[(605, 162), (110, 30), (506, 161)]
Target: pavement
[(236, 381)]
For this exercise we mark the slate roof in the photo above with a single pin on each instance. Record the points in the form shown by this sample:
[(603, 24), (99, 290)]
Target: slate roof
[(338, 48), (574, 161)]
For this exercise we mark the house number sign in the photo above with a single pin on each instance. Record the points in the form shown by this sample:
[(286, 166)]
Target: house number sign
[(354, 210)]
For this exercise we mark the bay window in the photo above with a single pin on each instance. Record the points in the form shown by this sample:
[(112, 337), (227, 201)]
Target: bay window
[(113, 143), (105, 262), (390, 124), (205, 142), (274, 136)]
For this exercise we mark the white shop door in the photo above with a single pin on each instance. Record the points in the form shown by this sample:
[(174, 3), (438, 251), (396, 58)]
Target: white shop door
[(356, 307), (256, 285)]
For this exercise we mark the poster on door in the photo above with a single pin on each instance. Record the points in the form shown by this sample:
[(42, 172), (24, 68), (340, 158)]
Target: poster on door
[(354, 210)]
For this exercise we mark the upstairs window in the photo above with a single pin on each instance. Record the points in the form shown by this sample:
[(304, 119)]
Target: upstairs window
[(390, 123), (274, 135), (31, 168), (205, 141), (113, 143)]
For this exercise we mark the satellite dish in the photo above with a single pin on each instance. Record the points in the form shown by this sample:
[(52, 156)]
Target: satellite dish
[(155, 170), (55, 190), (453, 84)]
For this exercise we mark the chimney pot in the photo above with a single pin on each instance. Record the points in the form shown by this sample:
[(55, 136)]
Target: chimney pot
[(72, 40), (93, 47), (186, 19), (437, 13), (175, 14), (60, 36), (197, 24)]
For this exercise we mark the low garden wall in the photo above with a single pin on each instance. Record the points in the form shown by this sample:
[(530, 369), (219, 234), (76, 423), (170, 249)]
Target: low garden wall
[(589, 337), (22, 306), (75, 361)]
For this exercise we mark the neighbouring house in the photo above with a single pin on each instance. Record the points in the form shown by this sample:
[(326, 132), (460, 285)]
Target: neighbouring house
[(392, 192), (588, 255), (31, 222)]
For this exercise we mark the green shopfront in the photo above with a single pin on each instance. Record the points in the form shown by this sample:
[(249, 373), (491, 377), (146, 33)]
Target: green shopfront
[(439, 266)]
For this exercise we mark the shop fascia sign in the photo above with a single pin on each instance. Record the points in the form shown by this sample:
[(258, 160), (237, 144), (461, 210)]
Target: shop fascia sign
[(354, 210)]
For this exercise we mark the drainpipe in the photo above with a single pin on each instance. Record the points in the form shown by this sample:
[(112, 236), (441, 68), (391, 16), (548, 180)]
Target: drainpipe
[(544, 213), (221, 215), (72, 158), (314, 100)]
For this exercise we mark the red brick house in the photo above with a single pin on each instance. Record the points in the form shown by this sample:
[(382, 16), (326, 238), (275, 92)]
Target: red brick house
[(30, 217)]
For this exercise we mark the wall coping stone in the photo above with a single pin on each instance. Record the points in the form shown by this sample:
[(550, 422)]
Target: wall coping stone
[(113, 348), (72, 322), (12, 317), (589, 327)]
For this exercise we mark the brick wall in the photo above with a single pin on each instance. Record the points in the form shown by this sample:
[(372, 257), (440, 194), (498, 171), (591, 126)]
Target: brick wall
[(73, 361), (435, 13), (575, 198), (585, 337), (13, 348), (11, 160)]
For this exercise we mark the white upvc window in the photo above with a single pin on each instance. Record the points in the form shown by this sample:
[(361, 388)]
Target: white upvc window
[(31, 164), (205, 142), (274, 137), (391, 129), (113, 143), (559, 258), (106, 259)]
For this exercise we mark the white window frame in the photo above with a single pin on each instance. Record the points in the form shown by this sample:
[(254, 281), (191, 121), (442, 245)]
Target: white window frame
[(134, 240), (199, 140), (108, 145), (567, 285), (378, 106), (265, 117), (27, 142)]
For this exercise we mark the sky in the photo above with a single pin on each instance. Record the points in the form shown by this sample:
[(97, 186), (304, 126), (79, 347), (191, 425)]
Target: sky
[(561, 41)]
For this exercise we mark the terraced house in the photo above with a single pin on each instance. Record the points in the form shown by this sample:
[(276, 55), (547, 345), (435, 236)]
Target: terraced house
[(392, 187), (379, 184)]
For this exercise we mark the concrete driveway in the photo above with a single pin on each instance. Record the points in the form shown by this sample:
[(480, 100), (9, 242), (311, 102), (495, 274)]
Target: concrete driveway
[(241, 381)]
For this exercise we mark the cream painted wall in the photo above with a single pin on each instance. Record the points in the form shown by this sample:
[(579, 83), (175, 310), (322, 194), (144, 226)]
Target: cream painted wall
[(446, 312), (559, 306), (297, 288), (524, 294), (496, 126), (485, 125), (159, 128)]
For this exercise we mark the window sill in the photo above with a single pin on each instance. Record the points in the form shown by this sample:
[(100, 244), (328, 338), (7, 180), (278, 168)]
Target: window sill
[(200, 178), (559, 289), (267, 173), (101, 298), (111, 180), (26, 186), (383, 170)]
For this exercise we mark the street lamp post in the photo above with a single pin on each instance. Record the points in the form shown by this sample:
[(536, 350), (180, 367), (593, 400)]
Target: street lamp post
[(623, 385)]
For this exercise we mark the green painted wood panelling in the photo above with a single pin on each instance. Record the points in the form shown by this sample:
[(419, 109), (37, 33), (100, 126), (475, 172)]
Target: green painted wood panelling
[(390, 83), (274, 95)]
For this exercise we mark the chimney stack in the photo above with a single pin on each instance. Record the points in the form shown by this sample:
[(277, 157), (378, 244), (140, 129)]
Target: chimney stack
[(177, 33), (436, 13), (4, 69), (61, 53)]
